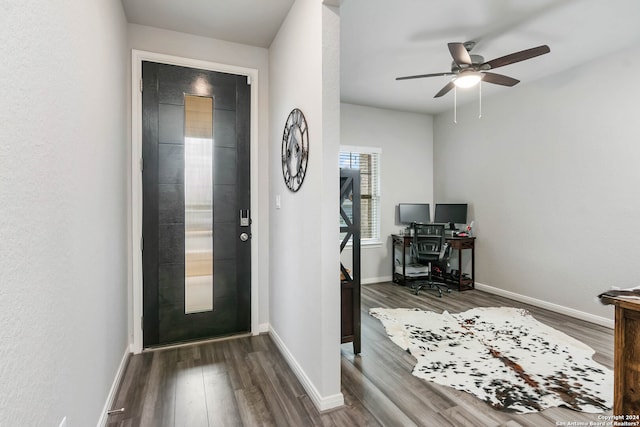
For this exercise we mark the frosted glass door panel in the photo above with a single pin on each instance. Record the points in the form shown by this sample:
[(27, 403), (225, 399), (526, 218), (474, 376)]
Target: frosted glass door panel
[(198, 203)]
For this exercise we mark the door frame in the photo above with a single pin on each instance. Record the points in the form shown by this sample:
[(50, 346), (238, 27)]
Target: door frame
[(137, 57)]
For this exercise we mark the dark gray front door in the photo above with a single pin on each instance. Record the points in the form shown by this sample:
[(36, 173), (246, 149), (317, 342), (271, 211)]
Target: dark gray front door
[(196, 257)]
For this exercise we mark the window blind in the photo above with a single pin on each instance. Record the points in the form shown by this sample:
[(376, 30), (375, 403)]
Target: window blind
[(367, 160)]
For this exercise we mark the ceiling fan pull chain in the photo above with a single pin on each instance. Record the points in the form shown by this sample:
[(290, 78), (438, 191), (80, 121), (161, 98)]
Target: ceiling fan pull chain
[(480, 99), (455, 104)]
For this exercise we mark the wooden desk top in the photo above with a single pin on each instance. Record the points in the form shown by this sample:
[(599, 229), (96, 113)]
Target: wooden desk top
[(409, 236), (622, 302)]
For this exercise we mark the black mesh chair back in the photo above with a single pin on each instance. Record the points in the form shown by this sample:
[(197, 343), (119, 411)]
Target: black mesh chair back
[(429, 246)]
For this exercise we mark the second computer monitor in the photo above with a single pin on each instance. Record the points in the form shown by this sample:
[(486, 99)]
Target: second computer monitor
[(451, 213)]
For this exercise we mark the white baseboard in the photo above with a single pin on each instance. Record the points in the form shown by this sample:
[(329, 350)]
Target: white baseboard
[(598, 320), (114, 388), (321, 403), (371, 280)]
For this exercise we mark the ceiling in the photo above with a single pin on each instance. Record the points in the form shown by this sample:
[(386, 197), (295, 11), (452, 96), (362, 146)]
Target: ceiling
[(382, 39), (251, 22)]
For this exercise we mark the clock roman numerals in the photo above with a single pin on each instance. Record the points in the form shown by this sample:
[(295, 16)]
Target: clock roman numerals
[(295, 150)]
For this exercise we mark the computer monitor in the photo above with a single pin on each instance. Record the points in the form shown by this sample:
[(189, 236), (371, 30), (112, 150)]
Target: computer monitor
[(451, 213), (414, 212)]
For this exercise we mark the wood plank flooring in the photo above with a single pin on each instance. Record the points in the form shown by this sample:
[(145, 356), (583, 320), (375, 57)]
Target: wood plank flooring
[(246, 382)]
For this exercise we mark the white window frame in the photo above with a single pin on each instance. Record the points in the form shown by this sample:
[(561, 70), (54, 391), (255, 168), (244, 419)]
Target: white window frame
[(375, 241)]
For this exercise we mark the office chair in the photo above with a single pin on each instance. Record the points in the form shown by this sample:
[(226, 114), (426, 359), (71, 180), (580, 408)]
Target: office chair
[(429, 247)]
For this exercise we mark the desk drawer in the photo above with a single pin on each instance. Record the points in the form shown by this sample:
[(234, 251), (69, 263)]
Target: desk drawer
[(461, 243)]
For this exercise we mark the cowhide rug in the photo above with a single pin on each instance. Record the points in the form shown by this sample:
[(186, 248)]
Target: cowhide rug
[(503, 356)]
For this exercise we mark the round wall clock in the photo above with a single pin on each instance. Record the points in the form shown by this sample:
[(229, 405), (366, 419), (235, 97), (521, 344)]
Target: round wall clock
[(295, 150)]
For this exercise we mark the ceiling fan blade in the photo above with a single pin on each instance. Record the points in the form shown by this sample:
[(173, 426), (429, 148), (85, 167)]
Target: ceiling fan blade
[(419, 76), (517, 56), (459, 53), (499, 79), (444, 90)]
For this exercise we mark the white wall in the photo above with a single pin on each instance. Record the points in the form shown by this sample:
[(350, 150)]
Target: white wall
[(207, 49), (551, 173), (406, 171), (304, 284), (63, 209)]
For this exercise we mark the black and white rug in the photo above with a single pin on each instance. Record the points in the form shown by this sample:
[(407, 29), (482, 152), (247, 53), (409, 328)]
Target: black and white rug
[(503, 356)]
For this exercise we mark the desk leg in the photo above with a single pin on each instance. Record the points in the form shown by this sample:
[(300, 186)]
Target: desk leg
[(473, 267), (460, 275), (404, 261), (393, 260)]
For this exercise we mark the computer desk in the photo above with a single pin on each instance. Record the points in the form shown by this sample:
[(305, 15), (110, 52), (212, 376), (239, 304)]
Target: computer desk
[(459, 243)]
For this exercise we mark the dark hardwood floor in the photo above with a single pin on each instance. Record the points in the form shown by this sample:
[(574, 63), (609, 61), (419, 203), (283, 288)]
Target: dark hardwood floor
[(246, 382)]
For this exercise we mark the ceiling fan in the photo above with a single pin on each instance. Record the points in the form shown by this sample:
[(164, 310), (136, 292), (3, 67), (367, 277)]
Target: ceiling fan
[(470, 69)]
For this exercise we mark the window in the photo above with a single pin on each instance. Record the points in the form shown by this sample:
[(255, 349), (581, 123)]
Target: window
[(367, 160)]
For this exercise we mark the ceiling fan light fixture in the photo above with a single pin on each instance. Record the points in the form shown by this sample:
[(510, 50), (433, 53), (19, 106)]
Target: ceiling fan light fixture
[(467, 79)]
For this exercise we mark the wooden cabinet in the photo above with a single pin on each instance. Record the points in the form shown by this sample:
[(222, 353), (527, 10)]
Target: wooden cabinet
[(626, 362)]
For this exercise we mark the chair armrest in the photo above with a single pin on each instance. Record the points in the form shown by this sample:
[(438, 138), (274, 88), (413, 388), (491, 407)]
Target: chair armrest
[(444, 251)]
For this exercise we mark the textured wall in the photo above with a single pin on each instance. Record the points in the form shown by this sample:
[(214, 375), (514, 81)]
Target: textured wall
[(551, 173), (63, 209)]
